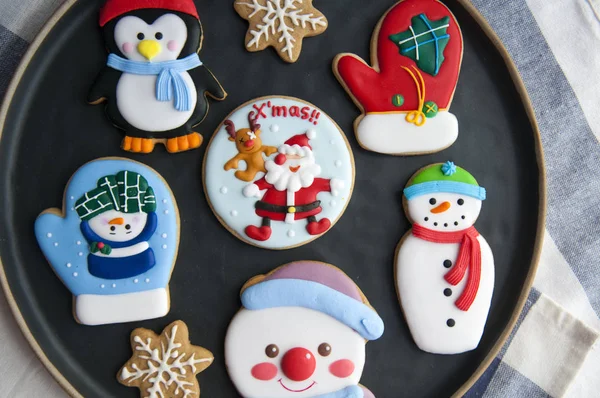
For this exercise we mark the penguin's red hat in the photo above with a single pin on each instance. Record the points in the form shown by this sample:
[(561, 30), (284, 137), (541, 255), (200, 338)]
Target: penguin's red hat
[(114, 8)]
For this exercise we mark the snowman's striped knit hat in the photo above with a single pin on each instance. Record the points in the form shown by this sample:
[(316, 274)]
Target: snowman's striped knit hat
[(317, 286), (127, 192), (444, 177)]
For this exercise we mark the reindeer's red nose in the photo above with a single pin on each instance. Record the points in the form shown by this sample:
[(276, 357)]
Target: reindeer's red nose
[(249, 143), (298, 364), (280, 159)]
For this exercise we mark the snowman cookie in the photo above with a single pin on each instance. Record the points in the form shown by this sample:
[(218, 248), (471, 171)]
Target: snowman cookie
[(115, 241), (404, 96), (278, 172), (444, 267), (154, 84), (301, 332)]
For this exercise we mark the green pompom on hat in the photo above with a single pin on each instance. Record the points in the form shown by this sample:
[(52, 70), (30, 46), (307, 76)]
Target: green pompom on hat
[(445, 177)]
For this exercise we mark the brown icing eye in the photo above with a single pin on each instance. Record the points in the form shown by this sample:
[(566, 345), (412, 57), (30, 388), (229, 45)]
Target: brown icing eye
[(272, 350), (324, 349)]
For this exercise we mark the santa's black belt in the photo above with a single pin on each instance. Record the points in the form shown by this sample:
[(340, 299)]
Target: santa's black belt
[(287, 209)]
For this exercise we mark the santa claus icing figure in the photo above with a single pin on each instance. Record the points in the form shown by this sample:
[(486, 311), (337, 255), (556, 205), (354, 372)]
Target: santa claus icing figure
[(292, 187)]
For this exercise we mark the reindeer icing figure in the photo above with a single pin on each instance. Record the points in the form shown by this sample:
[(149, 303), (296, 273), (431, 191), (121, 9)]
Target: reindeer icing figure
[(250, 149)]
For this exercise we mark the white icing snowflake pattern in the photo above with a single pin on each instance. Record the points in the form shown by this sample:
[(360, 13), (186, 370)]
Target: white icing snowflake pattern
[(165, 371), (287, 20)]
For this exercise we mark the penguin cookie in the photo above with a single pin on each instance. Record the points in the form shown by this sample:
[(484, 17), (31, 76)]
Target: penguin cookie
[(154, 84), (404, 96), (302, 332), (444, 267)]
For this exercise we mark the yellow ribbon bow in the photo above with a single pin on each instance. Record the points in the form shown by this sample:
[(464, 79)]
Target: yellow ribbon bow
[(417, 117)]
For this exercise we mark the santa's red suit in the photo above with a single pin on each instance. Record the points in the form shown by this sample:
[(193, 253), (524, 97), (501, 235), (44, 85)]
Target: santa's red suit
[(291, 189), (287, 205)]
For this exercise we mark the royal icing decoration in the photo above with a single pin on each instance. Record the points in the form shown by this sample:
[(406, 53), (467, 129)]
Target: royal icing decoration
[(282, 198), (250, 149), (444, 267), (154, 82), (165, 365), (269, 355), (405, 95), (281, 24), (115, 244)]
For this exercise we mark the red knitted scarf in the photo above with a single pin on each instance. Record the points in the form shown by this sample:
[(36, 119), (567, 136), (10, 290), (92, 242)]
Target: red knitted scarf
[(469, 257)]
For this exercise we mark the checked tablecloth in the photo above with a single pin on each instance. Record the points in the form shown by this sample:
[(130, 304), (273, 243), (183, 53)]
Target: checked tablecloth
[(552, 351)]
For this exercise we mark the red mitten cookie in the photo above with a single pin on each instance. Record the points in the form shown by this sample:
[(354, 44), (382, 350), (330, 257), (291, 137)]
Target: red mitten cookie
[(416, 54)]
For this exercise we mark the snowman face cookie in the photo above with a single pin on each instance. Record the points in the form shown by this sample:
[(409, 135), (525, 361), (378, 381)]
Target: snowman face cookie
[(160, 41), (118, 226), (444, 211), (301, 333), (115, 241), (292, 351)]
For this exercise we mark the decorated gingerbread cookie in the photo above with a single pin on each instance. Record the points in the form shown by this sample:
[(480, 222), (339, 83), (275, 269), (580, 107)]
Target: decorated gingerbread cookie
[(154, 83), (278, 172), (165, 365), (281, 24), (301, 333), (115, 241), (444, 267), (416, 53)]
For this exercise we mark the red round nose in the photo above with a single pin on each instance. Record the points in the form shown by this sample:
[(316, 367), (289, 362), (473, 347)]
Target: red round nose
[(249, 143), (298, 364), (280, 159)]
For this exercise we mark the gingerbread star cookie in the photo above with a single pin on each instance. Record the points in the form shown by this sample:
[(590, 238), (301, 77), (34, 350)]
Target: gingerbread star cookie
[(281, 24), (165, 365)]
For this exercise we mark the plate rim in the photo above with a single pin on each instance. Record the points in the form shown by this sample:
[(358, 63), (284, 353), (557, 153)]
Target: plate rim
[(537, 248)]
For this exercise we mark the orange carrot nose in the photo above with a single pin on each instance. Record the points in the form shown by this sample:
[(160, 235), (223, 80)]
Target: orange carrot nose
[(441, 208), (118, 221)]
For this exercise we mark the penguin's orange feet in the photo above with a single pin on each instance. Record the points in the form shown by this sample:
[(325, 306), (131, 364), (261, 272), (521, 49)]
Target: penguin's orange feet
[(184, 143), (137, 145), (147, 145), (195, 140)]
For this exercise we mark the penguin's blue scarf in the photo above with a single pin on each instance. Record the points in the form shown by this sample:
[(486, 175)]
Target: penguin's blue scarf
[(169, 80)]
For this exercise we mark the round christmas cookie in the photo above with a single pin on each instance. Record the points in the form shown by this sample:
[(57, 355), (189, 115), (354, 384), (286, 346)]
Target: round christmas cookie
[(278, 172), (404, 96), (301, 332), (444, 267), (114, 242)]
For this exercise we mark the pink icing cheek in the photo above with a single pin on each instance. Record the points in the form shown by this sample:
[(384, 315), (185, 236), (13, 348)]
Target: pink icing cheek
[(127, 48), (342, 368), (172, 45), (264, 371)]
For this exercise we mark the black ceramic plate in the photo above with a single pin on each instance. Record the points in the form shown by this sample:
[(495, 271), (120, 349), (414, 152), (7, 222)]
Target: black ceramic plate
[(49, 131)]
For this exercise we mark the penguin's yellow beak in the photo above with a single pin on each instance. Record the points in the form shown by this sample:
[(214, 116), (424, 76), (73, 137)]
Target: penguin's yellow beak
[(149, 49)]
